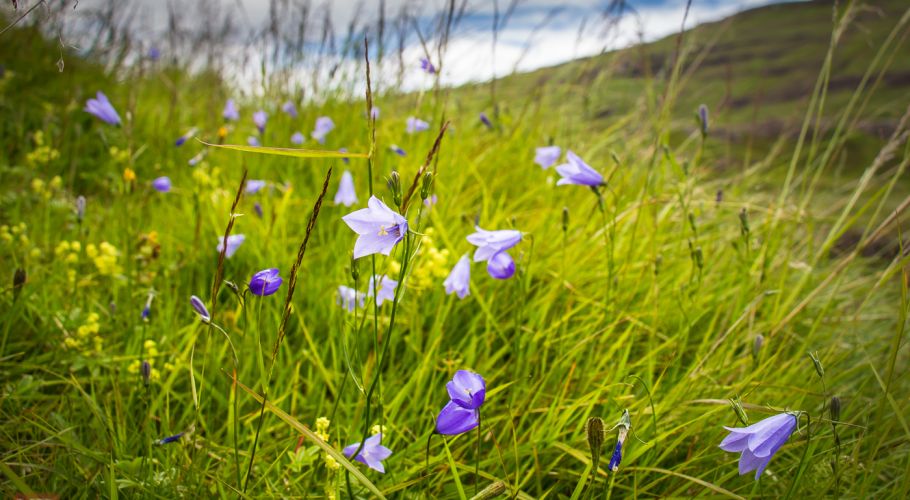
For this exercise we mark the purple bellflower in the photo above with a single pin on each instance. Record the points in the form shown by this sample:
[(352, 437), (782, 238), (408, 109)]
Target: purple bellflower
[(230, 112), (169, 439), (385, 289), (349, 298), (257, 207), (260, 118), (324, 125), (297, 138), (102, 108), (253, 186), (547, 156), (416, 125), (200, 308), (233, 243), (501, 266), (759, 441), (622, 431), (265, 282), (374, 112), (489, 243), (162, 184), (486, 120), (427, 66), (154, 54), (372, 454), (289, 108), (147, 309), (253, 141), (397, 150), (459, 280), (578, 172), (185, 137), (467, 392), (346, 195), (378, 226)]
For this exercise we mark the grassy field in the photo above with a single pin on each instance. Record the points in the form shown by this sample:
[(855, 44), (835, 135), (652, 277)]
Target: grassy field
[(753, 268)]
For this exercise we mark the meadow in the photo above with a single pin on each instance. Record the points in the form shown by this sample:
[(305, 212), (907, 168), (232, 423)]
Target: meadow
[(693, 274)]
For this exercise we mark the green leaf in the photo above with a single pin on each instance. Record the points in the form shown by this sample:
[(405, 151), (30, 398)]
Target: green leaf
[(297, 153)]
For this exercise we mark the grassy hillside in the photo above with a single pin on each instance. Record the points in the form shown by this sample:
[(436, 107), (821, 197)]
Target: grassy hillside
[(710, 282)]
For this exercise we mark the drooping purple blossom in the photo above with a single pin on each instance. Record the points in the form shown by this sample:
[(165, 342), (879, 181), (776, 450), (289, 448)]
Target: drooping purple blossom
[(265, 282), (385, 289), (297, 138), (501, 266), (289, 108), (233, 243), (260, 118), (397, 150), (427, 66), (467, 392), (253, 186), (230, 112), (169, 439), (346, 195), (324, 125), (372, 454), (379, 228), (162, 184), (102, 108), (200, 308), (486, 120), (349, 298), (416, 125), (546, 156), (459, 279), (759, 441), (257, 207), (577, 172), (185, 137), (489, 243)]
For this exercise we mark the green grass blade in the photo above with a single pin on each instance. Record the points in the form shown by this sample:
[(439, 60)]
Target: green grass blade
[(296, 153)]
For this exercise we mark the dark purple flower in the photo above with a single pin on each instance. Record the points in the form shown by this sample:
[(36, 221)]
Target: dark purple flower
[(169, 439), (230, 111), (265, 282), (547, 156), (427, 66), (501, 266), (372, 454), (346, 195), (703, 119), (289, 108), (260, 118), (185, 137), (324, 125), (258, 208), (759, 441), (397, 150), (162, 184), (297, 138), (454, 419), (200, 308), (145, 369), (616, 457), (154, 54), (379, 228), (578, 172), (416, 125), (485, 120), (102, 108), (459, 280)]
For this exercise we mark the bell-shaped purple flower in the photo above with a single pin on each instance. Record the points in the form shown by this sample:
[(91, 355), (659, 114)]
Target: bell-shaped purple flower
[(346, 195), (546, 156), (427, 66), (297, 138), (454, 419), (501, 266), (260, 118), (289, 108), (759, 441), (489, 243), (467, 389), (253, 186), (324, 125), (385, 289), (576, 171), (416, 125), (162, 184), (372, 454), (200, 308), (230, 112), (233, 243), (102, 108), (265, 282), (379, 228), (486, 120), (459, 280), (349, 298), (185, 137), (253, 141)]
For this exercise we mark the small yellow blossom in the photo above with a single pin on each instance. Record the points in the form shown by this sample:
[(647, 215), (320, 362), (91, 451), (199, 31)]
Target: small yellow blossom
[(128, 175)]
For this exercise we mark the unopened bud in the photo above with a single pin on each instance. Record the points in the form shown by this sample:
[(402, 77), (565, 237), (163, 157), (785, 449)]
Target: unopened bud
[(146, 370), (426, 187), (394, 183), (835, 408), (744, 222), (565, 219), (702, 119), (756, 347), (355, 271), (692, 223), (19, 278), (594, 432), (492, 491), (738, 409), (80, 208), (818, 364)]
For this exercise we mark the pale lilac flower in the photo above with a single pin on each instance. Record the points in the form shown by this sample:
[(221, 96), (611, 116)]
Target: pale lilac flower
[(489, 243), (260, 118), (459, 280), (162, 184), (324, 125), (501, 266), (759, 441), (185, 137), (253, 186), (102, 108), (289, 108), (578, 172), (379, 228), (297, 138), (374, 112), (372, 454), (199, 156), (233, 243), (486, 120), (253, 140), (385, 290), (703, 119), (265, 282), (80, 207), (346, 195), (200, 308), (230, 112), (349, 298), (416, 125), (547, 156), (397, 150), (427, 66), (429, 202)]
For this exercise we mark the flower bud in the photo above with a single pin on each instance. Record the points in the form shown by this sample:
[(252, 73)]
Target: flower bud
[(492, 491), (80, 208), (565, 219), (702, 119), (394, 183), (146, 370), (818, 364), (594, 432), (835, 408), (738, 409), (426, 188), (355, 271), (19, 278), (744, 222), (756, 347)]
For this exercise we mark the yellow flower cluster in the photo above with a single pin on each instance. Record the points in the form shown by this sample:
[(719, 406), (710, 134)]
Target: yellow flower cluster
[(68, 251), (151, 352), (87, 338), (17, 233), (378, 429), (322, 430), (119, 155), (105, 258), (204, 175), (46, 190), (434, 263), (128, 175), (42, 154)]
